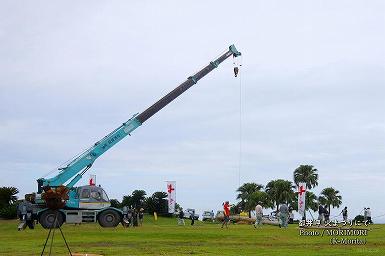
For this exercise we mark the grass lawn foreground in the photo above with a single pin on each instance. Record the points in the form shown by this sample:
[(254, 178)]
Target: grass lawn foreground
[(164, 237)]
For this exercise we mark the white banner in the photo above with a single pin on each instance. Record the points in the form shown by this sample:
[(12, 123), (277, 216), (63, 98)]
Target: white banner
[(171, 193), (301, 198)]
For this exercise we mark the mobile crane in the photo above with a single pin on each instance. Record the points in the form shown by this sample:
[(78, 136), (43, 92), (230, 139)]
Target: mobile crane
[(63, 202)]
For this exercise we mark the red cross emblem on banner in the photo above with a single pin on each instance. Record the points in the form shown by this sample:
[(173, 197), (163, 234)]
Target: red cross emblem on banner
[(301, 190), (170, 188)]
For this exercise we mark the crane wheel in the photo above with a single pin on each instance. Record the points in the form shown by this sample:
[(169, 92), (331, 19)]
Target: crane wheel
[(109, 218), (47, 219)]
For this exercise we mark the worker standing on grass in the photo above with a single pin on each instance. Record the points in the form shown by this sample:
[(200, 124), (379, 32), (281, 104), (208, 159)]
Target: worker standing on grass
[(141, 216), (129, 217), (345, 213), (181, 217), (365, 214), (25, 212), (291, 215), (326, 214), (192, 216), (135, 217), (369, 215), (321, 212), (258, 215), (283, 215), (226, 213)]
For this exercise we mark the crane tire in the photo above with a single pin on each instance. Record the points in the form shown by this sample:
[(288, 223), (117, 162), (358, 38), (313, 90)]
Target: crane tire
[(109, 218), (47, 219)]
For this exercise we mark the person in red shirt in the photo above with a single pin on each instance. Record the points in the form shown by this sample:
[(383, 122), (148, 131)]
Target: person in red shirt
[(226, 213)]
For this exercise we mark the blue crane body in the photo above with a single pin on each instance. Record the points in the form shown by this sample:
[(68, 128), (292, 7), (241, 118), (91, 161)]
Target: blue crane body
[(81, 206)]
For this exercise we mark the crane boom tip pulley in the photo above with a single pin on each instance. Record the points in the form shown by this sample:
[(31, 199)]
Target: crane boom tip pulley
[(234, 50)]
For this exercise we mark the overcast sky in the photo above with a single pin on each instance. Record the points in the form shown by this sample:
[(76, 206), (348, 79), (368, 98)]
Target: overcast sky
[(312, 92)]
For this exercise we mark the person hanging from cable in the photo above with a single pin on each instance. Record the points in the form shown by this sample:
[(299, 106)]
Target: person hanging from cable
[(236, 70)]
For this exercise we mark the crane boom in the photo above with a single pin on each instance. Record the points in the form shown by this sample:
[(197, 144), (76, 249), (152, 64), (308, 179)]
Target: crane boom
[(186, 85), (79, 165)]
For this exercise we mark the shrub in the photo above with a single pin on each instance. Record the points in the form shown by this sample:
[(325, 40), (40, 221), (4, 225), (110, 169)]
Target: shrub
[(359, 218), (9, 212)]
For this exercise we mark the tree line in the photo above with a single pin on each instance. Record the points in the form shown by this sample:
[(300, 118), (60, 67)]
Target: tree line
[(281, 191), (271, 195), (157, 202)]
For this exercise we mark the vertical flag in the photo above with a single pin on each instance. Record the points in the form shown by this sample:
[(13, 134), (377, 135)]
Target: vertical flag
[(171, 196), (301, 198), (92, 181)]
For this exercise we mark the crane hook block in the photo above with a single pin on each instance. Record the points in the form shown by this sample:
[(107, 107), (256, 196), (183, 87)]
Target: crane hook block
[(236, 70)]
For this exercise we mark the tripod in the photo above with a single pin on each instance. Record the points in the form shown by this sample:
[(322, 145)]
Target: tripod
[(53, 226)]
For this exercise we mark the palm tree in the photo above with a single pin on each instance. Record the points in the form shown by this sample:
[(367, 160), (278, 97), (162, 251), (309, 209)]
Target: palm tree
[(138, 197), (311, 201), (8, 196), (307, 174), (259, 197), (115, 203), (157, 203), (280, 191), (245, 192), (127, 201), (330, 197)]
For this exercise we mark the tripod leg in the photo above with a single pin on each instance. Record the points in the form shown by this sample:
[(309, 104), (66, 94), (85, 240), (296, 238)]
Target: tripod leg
[(49, 233), (65, 241), (50, 248), (46, 241)]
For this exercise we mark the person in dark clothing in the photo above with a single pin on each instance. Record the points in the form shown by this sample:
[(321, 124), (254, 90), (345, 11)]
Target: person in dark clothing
[(141, 216), (135, 218), (192, 216), (321, 212), (345, 213), (129, 217), (326, 213), (25, 214), (181, 218), (291, 215)]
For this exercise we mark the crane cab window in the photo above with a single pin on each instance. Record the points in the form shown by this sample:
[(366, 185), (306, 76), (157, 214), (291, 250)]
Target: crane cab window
[(85, 193), (98, 194)]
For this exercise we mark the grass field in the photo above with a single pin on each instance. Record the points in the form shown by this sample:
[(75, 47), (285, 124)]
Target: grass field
[(164, 237)]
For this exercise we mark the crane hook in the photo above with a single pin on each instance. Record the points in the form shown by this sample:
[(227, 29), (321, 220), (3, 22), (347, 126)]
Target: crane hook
[(236, 70)]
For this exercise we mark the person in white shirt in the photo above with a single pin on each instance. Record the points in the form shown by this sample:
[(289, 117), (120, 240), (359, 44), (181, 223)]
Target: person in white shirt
[(258, 215), (369, 215)]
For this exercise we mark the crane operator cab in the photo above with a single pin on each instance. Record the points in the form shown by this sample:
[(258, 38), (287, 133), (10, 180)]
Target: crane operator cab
[(92, 197)]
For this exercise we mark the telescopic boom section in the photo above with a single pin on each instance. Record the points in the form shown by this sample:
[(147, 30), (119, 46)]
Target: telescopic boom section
[(186, 85), (74, 171)]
